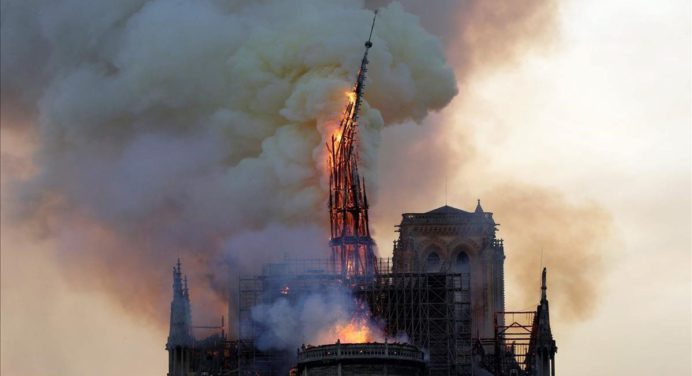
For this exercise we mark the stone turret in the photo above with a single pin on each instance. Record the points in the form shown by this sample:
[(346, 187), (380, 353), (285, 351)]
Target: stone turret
[(542, 349), (180, 339)]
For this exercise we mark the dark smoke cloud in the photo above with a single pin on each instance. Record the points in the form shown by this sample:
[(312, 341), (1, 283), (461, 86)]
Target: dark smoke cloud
[(195, 129)]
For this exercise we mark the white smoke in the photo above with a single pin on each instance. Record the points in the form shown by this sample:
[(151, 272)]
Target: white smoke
[(195, 128), (310, 319)]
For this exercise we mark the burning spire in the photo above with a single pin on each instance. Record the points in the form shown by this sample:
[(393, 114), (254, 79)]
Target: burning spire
[(352, 247)]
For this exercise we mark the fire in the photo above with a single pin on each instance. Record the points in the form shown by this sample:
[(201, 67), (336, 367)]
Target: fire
[(356, 331), (360, 329), (337, 134)]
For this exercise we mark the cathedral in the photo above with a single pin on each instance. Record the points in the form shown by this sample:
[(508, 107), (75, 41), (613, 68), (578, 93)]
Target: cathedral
[(443, 288), (439, 302)]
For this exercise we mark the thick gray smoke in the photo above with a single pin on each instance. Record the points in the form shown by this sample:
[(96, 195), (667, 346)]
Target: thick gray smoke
[(195, 128), (315, 318)]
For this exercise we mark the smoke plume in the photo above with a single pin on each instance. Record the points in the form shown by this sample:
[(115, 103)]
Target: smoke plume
[(542, 227), (316, 318), (196, 129), (483, 35), (441, 162)]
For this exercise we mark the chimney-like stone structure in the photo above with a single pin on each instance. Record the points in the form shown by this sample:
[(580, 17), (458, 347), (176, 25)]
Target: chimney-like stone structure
[(180, 339)]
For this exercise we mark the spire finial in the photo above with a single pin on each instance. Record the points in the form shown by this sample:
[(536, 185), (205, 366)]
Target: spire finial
[(360, 81), (479, 209), (177, 283), (368, 44), (544, 286)]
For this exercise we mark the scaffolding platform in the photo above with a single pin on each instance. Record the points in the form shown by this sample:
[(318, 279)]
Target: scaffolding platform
[(431, 310)]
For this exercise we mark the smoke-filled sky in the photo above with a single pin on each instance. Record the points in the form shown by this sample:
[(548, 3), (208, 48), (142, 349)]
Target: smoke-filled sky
[(135, 132)]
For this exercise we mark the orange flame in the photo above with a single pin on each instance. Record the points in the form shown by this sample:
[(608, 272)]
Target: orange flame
[(360, 329), (338, 132), (356, 331)]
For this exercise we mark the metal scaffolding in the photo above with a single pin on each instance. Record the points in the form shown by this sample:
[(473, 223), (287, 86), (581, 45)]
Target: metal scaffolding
[(431, 310), (290, 279), (513, 331)]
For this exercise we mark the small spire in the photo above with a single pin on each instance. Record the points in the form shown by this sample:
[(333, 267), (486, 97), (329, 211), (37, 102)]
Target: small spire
[(180, 328), (360, 81), (479, 209), (544, 286), (368, 44), (177, 282)]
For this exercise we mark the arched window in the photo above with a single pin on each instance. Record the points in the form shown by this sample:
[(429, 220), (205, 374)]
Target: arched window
[(432, 261), (461, 264)]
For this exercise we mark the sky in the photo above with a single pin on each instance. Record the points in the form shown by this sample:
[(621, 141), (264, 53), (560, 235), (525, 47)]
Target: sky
[(602, 115), (599, 115)]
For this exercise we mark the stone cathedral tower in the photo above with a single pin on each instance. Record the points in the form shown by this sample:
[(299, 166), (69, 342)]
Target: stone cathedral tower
[(450, 240), (180, 340)]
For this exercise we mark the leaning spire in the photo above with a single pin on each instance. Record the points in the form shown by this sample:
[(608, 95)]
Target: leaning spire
[(360, 81), (352, 247)]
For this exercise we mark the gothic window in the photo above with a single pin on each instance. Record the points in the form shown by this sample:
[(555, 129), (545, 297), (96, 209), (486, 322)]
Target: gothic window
[(432, 261), (461, 264)]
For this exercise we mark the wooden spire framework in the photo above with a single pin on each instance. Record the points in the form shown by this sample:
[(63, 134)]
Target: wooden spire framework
[(352, 247)]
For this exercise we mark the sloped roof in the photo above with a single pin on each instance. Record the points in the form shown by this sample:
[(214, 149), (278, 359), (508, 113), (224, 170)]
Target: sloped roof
[(447, 210)]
